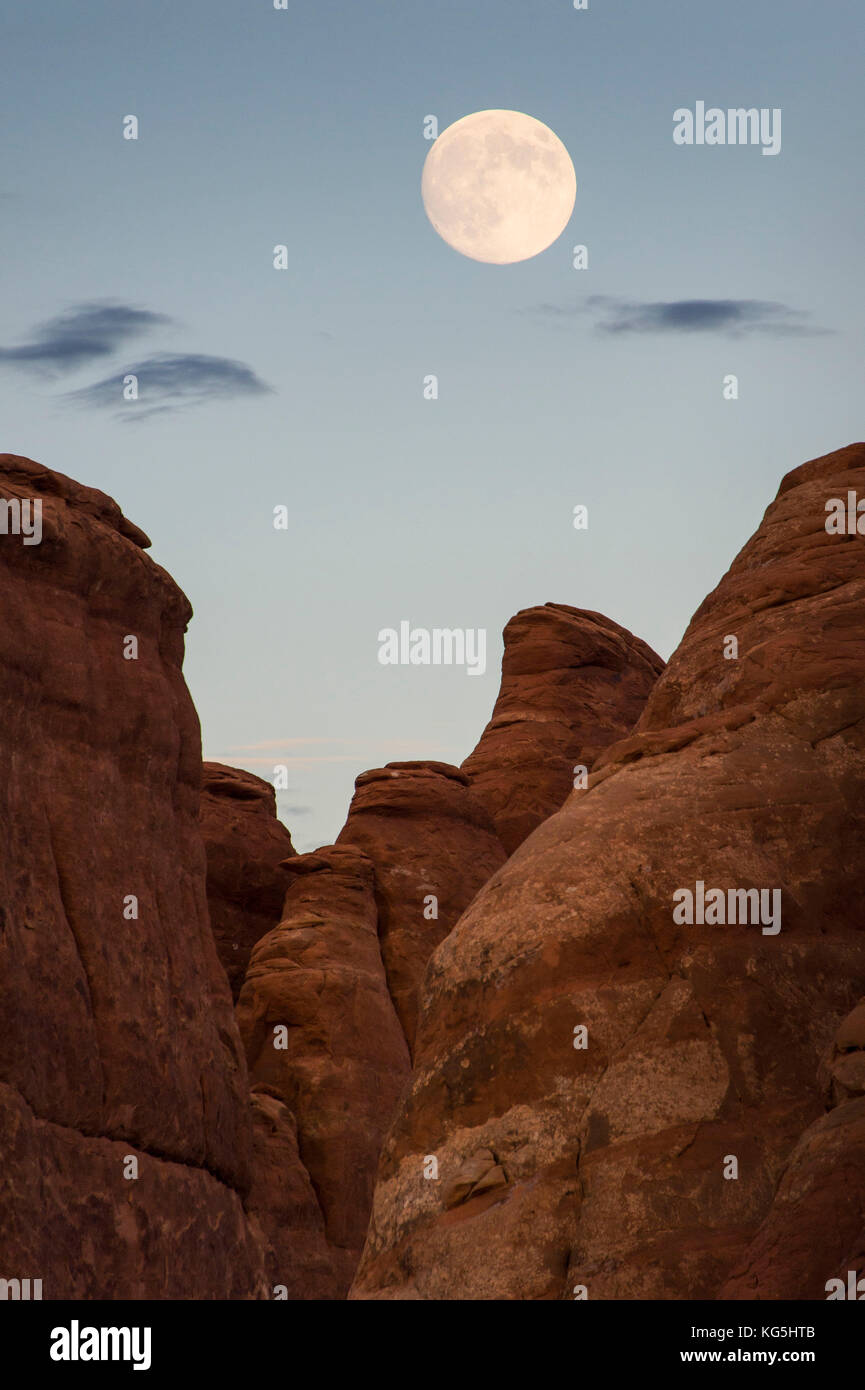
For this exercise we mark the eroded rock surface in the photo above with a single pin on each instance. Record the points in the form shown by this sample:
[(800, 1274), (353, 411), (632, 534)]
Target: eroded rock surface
[(117, 1036), (433, 845), (299, 1261), (702, 1040), (573, 682), (322, 1038), (814, 1233), (246, 846)]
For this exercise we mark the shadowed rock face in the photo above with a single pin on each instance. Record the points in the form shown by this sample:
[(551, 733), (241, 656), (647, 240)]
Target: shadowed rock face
[(572, 682), (815, 1229), (245, 845), (117, 1038), (433, 845), (299, 1260), (322, 1037), (702, 1040)]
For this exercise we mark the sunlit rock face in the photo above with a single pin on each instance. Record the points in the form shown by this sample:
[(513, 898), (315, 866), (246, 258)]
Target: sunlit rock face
[(702, 1041), (572, 683)]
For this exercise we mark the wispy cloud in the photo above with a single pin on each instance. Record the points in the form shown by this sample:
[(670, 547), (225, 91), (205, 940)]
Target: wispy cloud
[(169, 381), (294, 762), (732, 317), (90, 332), (373, 752), (282, 743), (81, 335)]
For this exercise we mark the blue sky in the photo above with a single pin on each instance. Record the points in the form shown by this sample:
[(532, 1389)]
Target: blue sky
[(304, 127)]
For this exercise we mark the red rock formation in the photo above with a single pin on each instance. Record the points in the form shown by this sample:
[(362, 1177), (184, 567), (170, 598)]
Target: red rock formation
[(117, 1039), (322, 1037), (433, 846), (701, 1040), (246, 846), (299, 1261), (572, 682), (815, 1230)]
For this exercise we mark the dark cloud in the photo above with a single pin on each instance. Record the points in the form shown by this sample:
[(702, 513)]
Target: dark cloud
[(169, 381), (81, 335), (295, 810), (733, 317)]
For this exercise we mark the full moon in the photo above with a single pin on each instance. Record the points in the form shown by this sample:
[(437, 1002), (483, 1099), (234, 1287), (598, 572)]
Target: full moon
[(499, 186)]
